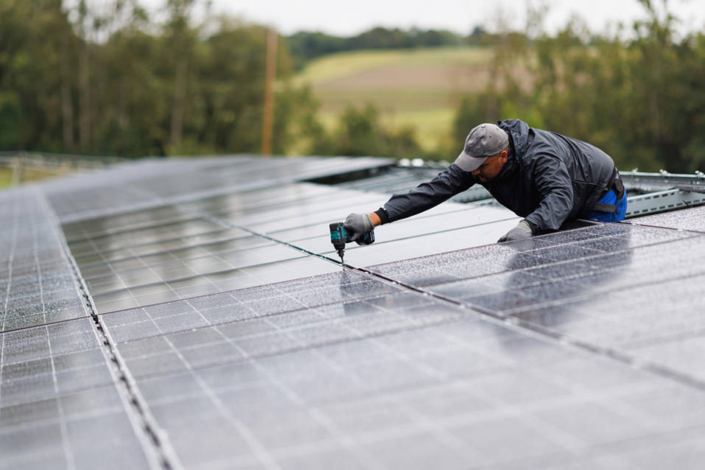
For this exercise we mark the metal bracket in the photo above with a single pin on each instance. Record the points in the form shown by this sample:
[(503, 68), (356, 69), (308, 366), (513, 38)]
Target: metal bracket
[(662, 201), (663, 180)]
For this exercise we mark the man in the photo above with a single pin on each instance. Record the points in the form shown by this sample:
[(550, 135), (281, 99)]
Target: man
[(542, 176)]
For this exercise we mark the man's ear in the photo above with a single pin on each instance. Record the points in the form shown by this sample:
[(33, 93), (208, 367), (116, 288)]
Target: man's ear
[(503, 156)]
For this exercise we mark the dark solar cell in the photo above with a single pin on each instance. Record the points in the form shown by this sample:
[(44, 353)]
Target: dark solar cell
[(435, 243), (445, 225)]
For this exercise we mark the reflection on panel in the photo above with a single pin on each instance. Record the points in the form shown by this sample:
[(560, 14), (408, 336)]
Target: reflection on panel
[(301, 366), (166, 244), (148, 184), (95, 246), (102, 226), (234, 205), (192, 267), (241, 278), (629, 288), (242, 243)]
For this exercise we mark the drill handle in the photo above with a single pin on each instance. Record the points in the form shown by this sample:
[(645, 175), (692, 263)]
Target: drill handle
[(367, 238)]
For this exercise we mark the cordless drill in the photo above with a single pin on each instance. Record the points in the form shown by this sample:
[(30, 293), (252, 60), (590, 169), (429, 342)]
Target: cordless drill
[(339, 237)]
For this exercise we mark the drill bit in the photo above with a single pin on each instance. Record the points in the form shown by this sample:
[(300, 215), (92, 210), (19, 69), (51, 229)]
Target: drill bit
[(341, 253)]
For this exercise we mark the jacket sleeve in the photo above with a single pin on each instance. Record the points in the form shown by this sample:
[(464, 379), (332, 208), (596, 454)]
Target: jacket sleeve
[(447, 184), (556, 191)]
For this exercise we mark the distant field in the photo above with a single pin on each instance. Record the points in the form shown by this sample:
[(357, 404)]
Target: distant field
[(27, 176), (5, 177), (418, 88)]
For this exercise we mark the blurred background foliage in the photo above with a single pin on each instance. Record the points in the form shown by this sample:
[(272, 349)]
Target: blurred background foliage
[(113, 81)]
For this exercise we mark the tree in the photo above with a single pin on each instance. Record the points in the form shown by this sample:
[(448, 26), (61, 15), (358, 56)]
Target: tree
[(641, 100)]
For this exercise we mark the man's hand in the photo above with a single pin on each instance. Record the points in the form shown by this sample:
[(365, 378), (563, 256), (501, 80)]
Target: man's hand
[(358, 225), (520, 232)]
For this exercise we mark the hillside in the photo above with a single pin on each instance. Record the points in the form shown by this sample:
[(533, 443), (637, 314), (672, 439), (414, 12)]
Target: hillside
[(418, 87)]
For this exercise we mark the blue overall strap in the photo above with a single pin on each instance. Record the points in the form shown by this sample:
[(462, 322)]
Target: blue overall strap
[(612, 206), (610, 199), (603, 206)]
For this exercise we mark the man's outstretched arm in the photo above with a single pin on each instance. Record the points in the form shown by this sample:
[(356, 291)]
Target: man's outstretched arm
[(425, 196)]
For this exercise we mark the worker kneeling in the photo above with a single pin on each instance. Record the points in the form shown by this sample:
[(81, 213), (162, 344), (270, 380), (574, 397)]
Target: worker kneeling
[(542, 176)]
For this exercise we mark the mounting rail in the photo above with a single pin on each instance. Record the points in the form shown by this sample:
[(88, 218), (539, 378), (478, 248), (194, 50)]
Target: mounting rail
[(662, 191), (663, 180)]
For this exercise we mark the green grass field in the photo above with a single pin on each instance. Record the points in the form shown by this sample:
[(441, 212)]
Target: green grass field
[(27, 176), (418, 88), (5, 178)]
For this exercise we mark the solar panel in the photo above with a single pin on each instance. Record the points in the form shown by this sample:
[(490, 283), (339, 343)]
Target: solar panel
[(606, 285), (230, 337), (152, 183), (296, 372), (57, 387), (686, 219)]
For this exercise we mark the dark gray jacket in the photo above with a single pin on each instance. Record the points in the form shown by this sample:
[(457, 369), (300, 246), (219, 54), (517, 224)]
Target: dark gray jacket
[(547, 179)]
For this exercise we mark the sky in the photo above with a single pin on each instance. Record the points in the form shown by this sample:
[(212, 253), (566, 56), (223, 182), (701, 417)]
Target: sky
[(347, 18)]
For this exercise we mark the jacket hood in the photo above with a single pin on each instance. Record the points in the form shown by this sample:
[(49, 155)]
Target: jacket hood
[(518, 143), (518, 132)]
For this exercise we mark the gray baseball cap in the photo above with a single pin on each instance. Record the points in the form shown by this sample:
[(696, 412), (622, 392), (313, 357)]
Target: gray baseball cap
[(483, 141)]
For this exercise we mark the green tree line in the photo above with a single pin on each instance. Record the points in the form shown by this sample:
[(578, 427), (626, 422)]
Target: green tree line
[(111, 80), (308, 45)]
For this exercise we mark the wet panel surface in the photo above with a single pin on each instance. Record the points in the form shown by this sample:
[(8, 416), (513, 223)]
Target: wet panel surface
[(250, 358), (84, 429), (632, 289), (301, 371), (56, 389), (685, 219), (89, 249), (226, 280)]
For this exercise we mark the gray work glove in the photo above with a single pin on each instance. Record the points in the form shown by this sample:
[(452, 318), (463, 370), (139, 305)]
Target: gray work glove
[(357, 225), (520, 232)]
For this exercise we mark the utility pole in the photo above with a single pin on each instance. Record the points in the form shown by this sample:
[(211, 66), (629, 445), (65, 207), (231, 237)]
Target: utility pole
[(66, 100), (268, 112)]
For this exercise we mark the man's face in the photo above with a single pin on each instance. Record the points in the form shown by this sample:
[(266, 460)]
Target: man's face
[(491, 167)]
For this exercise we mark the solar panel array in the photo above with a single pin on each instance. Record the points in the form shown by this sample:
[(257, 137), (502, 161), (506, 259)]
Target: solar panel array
[(58, 390), (219, 330)]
